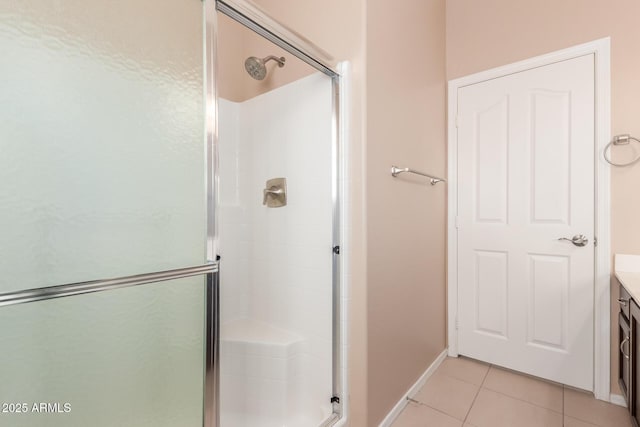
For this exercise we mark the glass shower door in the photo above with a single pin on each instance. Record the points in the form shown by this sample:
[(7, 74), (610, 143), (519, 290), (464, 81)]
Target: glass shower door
[(102, 187)]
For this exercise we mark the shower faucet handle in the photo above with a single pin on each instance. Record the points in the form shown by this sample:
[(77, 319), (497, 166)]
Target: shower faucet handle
[(275, 193)]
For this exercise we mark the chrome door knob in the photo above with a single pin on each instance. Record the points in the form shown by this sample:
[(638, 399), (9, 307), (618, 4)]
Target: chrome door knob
[(578, 240)]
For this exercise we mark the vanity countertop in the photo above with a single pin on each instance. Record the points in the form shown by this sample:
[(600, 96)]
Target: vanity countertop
[(627, 272)]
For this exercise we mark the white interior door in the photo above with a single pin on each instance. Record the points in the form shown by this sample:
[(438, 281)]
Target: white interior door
[(526, 179)]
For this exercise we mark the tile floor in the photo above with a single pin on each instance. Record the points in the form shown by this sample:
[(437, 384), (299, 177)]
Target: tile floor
[(467, 393)]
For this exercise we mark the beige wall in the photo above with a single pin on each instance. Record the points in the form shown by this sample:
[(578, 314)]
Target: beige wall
[(482, 35), (406, 219), (230, 59)]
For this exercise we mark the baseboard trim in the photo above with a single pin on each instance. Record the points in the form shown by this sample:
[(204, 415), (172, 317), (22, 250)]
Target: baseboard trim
[(617, 399), (395, 412)]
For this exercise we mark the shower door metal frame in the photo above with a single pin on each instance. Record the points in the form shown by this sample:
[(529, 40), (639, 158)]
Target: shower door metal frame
[(208, 270), (258, 21)]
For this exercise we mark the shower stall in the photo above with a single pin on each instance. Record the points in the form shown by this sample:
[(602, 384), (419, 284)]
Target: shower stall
[(277, 231), (169, 213)]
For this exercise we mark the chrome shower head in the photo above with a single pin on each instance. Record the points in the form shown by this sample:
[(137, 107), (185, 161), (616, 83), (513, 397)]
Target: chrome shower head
[(256, 66)]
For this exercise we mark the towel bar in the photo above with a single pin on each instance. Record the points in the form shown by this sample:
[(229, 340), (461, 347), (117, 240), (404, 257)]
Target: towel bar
[(395, 171)]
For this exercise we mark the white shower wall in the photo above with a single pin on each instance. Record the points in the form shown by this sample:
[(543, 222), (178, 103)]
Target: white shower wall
[(276, 267)]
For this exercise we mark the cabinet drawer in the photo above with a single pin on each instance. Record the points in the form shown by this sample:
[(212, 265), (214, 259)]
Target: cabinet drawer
[(624, 301)]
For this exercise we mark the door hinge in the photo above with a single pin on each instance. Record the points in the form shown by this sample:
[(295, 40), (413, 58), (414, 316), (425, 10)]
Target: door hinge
[(336, 250), (595, 241), (457, 324)]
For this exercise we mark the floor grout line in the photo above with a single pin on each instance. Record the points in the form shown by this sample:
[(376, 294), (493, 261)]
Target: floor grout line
[(473, 402), (582, 421), (440, 411), (524, 401), (462, 379), (485, 376), (464, 420), (483, 386)]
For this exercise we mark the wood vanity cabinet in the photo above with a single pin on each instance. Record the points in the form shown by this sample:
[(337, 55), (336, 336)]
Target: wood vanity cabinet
[(634, 366), (624, 337), (624, 372), (629, 354)]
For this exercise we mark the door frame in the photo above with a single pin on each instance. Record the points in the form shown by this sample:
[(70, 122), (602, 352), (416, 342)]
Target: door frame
[(602, 264)]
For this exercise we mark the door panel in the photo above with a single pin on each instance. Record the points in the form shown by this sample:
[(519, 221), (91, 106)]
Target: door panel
[(129, 357), (491, 292), (548, 303), (102, 176), (525, 177), (102, 140), (492, 163), (550, 146)]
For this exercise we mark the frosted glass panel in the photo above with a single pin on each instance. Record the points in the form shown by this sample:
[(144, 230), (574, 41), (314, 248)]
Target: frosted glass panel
[(129, 357), (101, 139)]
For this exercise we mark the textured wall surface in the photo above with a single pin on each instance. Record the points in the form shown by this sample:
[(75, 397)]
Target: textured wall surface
[(406, 216)]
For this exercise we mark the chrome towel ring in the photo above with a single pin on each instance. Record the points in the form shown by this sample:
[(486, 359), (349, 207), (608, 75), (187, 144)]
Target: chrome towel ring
[(624, 139)]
